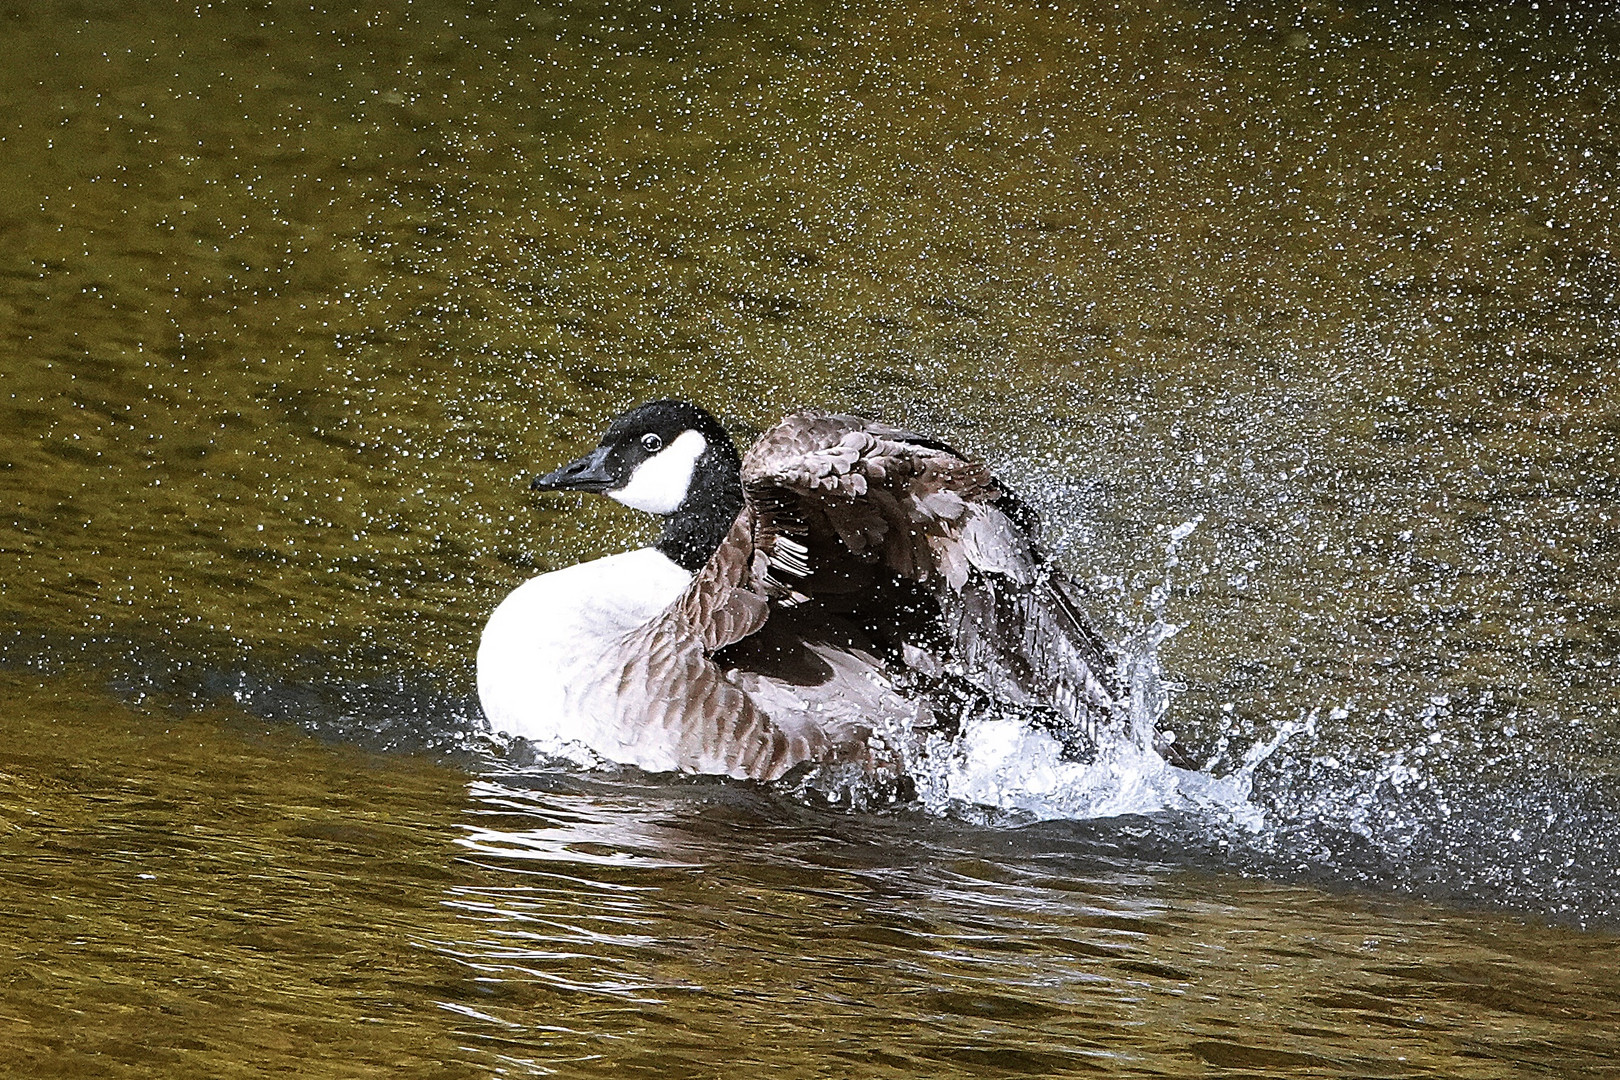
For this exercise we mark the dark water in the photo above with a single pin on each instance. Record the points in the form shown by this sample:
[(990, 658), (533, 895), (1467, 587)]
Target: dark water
[(294, 299)]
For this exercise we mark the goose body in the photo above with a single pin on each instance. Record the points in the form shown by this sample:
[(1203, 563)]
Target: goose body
[(540, 651), (846, 587)]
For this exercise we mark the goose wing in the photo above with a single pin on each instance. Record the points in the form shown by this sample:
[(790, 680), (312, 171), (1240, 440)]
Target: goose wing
[(844, 506), (773, 656)]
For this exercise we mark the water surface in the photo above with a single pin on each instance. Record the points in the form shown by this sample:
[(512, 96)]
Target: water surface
[(293, 300)]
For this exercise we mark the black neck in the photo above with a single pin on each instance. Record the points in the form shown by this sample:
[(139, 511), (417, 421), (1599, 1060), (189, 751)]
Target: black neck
[(694, 531)]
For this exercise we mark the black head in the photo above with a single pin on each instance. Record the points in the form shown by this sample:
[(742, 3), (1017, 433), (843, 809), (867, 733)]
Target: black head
[(668, 458)]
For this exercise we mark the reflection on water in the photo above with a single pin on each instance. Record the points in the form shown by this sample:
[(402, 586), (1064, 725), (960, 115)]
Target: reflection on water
[(214, 895), (650, 932), (206, 896), (294, 298)]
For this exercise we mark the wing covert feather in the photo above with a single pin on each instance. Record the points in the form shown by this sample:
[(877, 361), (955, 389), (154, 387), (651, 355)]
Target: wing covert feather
[(933, 516)]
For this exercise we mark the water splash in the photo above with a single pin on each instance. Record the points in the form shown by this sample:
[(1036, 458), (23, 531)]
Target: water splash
[(1012, 765)]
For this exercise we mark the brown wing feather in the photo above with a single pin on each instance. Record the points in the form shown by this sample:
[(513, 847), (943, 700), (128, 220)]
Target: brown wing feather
[(839, 507), (845, 487)]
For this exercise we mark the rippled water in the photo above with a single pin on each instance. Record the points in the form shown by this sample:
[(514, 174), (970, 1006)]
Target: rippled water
[(293, 300)]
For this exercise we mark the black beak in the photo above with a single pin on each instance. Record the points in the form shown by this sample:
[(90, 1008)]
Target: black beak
[(589, 473)]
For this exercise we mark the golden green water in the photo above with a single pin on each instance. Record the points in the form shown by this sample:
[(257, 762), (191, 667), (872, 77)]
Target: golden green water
[(294, 298), (215, 896)]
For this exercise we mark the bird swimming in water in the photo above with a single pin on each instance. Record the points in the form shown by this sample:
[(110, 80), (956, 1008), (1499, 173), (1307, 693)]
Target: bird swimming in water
[(824, 601)]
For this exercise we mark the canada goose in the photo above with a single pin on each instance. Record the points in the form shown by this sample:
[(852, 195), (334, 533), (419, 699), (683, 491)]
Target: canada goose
[(845, 585)]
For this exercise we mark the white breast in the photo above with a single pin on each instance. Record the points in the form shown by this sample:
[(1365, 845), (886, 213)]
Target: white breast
[(548, 634)]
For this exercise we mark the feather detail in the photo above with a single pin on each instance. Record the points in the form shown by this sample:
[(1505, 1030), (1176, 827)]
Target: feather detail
[(863, 493)]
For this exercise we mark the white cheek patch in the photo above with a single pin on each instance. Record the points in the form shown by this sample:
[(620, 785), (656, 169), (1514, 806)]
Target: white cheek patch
[(659, 484)]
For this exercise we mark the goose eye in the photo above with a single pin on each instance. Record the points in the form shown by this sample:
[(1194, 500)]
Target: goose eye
[(651, 443)]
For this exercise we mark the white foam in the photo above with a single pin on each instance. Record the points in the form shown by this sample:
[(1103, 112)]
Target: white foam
[(1011, 765)]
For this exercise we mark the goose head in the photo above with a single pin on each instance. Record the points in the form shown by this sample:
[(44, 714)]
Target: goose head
[(668, 458)]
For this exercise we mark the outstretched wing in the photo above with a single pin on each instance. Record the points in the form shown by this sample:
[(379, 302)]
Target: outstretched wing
[(843, 505), (771, 657)]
